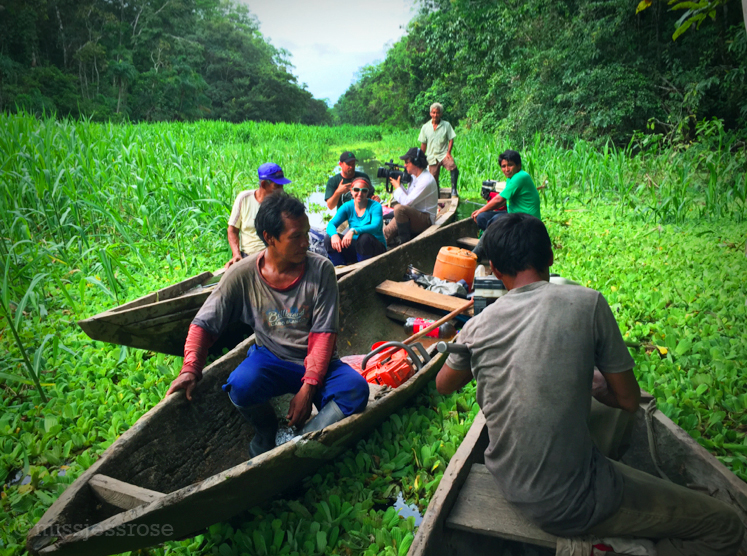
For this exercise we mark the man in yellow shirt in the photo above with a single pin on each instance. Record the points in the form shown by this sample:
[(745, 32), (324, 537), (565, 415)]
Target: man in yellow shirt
[(242, 236)]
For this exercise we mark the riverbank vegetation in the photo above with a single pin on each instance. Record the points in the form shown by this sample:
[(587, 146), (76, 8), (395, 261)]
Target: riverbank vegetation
[(594, 70), (147, 61), (95, 214)]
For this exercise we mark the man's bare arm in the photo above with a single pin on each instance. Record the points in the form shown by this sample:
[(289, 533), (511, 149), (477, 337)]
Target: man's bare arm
[(451, 146), (423, 146), (233, 242), (334, 199), (622, 391), (450, 380)]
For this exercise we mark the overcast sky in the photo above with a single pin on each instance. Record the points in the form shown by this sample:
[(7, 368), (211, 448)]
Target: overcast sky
[(329, 40)]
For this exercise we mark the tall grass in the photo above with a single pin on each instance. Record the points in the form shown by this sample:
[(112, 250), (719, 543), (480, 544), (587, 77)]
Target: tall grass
[(664, 185)]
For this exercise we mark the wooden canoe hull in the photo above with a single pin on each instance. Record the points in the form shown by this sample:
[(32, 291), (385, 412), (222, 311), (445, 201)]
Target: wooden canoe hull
[(682, 459), (196, 453), (160, 320)]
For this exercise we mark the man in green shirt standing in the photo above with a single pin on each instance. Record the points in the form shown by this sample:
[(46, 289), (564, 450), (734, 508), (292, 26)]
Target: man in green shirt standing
[(520, 193), (436, 141)]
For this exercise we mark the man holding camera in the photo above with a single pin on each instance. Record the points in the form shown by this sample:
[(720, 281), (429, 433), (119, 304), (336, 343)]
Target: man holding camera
[(418, 204), (436, 140), (338, 186)]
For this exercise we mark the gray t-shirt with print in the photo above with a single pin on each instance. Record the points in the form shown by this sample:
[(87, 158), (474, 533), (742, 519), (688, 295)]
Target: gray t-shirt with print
[(282, 319), (533, 354)]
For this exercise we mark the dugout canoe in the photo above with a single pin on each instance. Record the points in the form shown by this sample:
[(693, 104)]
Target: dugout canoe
[(160, 320), (467, 515), (180, 468)]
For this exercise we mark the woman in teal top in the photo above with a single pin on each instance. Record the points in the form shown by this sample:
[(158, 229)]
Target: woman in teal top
[(365, 236)]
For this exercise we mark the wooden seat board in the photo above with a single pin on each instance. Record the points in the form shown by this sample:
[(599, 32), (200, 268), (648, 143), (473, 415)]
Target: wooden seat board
[(120, 494), (469, 242), (409, 291), (482, 509)]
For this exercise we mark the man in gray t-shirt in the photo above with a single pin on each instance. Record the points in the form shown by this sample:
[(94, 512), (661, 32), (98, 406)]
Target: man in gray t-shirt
[(533, 354), (290, 297)]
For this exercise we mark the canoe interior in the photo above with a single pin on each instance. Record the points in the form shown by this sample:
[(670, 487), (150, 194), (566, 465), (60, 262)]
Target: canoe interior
[(180, 443), (682, 459), (159, 321)]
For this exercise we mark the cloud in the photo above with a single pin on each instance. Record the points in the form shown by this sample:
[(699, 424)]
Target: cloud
[(329, 40)]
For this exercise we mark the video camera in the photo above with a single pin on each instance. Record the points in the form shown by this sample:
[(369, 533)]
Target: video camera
[(392, 170), (488, 187)]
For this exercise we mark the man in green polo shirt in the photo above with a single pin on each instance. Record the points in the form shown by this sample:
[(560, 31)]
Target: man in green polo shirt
[(436, 141), (520, 193), (338, 186)]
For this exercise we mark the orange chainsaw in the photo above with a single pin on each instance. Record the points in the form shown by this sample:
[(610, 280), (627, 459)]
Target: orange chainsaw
[(392, 363)]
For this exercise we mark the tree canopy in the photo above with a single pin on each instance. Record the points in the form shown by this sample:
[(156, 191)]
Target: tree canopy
[(146, 60), (568, 68)]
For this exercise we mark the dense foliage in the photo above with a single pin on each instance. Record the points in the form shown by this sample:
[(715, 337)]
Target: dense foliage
[(569, 69), (152, 60), (95, 214)]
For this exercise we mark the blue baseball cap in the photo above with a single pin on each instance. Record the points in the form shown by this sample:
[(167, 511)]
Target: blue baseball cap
[(273, 172)]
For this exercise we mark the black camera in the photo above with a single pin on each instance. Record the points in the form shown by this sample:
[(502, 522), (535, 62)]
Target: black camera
[(392, 170), (488, 187)]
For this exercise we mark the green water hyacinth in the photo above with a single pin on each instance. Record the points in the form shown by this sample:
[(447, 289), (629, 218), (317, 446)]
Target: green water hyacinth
[(109, 212)]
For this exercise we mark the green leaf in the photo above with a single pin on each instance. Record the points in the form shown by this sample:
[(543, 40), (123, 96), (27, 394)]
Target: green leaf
[(321, 541), (681, 29), (22, 305), (49, 422), (683, 346), (15, 378)]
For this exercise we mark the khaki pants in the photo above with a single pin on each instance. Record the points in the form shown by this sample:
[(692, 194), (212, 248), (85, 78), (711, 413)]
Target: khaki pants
[(446, 162), (419, 221), (681, 522)]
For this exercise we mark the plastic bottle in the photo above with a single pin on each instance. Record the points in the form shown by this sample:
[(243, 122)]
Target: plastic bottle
[(414, 325)]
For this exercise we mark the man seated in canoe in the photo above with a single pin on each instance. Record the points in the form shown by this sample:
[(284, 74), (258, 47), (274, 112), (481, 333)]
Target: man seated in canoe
[(339, 185), (520, 194), (533, 354), (364, 237), (417, 205), (242, 237), (289, 297)]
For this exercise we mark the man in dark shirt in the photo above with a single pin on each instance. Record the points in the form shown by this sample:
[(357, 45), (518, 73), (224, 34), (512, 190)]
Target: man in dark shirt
[(289, 297), (338, 186)]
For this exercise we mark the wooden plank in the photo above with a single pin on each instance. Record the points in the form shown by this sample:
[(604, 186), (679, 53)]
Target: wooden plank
[(411, 292), (482, 509), (469, 242), (120, 494), (401, 313), (430, 536)]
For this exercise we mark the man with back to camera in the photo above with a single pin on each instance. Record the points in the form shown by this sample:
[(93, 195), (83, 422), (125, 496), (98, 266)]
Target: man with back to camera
[(520, 194), (242, 236), (289, 297), (436, 141), (417, 205), (338, 186), (533, 354)]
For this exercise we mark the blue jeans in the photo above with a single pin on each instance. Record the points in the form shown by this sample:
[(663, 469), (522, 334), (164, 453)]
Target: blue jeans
[(263, 375), (484, 219)]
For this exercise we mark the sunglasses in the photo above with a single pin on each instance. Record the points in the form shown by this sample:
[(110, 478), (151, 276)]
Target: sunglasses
[(360, 190)]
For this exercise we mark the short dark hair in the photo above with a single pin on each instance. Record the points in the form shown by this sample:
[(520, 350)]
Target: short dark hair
[(516, 242), (510, 156), (271, 212)]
